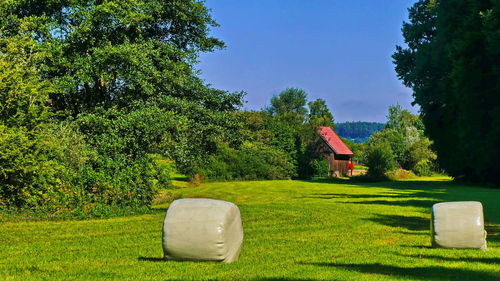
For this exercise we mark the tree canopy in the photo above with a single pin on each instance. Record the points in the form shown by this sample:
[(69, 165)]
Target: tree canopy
[(319, 114), (452, 62), (106, 53), (403, 138), (116, 81), (290, 105)]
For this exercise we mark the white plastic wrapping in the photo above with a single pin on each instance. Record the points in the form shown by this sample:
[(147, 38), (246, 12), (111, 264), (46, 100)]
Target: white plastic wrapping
[(458, 225), (202, 230)]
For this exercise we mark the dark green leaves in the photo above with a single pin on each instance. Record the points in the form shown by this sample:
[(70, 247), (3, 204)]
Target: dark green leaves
[(452, 64)]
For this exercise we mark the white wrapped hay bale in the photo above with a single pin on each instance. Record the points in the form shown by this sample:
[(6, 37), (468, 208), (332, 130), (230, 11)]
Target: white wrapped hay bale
[(458, 225), (202, 230)]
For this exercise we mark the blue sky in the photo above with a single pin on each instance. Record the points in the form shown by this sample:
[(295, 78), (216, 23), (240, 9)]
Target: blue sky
[(337, 50)]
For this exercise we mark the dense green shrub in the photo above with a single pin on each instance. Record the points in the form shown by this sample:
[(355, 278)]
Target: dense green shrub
[(420, 152), (55, 169), (404, 133), (38, 167), (379, 159), (401, 174), (320, 167), (423, 168), (123, 172), (250, 162)]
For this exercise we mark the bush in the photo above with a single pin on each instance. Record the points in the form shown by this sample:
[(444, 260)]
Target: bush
[(56, 170), (320, 167), (164, 168), (379, 160), (420, 151), (123, 171), (253, 160), (39, 167), (423, 168), (401, 174)]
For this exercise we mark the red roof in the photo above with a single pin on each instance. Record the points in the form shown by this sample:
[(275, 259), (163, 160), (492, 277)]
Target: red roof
[(334, 141)]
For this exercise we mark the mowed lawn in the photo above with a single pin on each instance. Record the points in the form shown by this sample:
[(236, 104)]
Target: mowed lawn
[(294, 230)]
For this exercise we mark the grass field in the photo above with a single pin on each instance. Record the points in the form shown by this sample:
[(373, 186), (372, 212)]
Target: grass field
[(294, 230)]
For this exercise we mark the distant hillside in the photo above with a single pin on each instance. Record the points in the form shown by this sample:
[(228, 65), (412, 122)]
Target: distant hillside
[(358, 131)]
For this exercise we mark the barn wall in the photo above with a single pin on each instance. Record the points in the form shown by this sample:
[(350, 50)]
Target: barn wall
[(336, 165), (342, 166)]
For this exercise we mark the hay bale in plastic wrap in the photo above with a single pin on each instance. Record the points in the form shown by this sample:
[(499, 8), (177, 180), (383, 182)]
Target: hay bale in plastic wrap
[(202, 230), (458, 225)]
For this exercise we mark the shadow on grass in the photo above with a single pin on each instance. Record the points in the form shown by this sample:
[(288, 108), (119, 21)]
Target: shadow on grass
[(282, 279), (408, 222), (458, 259), (262, 279), (430, 192), (493, 231), (159, 209), (431, 272), (367, 196), (417, 247), (403, 203), (421, 185), (411, 233), (152, 259)]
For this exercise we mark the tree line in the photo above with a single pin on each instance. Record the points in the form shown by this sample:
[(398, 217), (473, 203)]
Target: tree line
[(358, 131), (452, 62), (89, 90), (401, 145), (95, 95)]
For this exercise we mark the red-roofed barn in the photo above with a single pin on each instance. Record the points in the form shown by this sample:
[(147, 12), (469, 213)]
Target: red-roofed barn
[(335, 151)]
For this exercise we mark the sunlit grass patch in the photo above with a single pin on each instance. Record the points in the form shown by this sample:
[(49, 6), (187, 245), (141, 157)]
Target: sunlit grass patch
[(294, 230)]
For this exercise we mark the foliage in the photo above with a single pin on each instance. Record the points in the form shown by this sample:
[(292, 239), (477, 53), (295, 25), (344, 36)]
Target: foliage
[(321, 167), (105, 53), (401, 174), (394, 139), (164, 170), (256, 127), (23, 92), (447, 42), (358, 132), (379, 160), (252, 161), (420, 152), (53, 170), (319, 114), (90, 89), (289, 106), (37, 167), (423, 168), (404, 133), (293, 127)]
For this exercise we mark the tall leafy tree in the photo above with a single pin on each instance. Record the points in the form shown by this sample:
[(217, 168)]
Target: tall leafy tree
[(109, 52), (452, 63), (404, 134), (290, 106), (23, 91), (113, 58), (294, 125), (120, 80), (319, 114)]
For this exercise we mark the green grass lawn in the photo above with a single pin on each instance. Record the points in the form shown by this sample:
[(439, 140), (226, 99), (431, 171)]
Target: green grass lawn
[(294, 230)]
